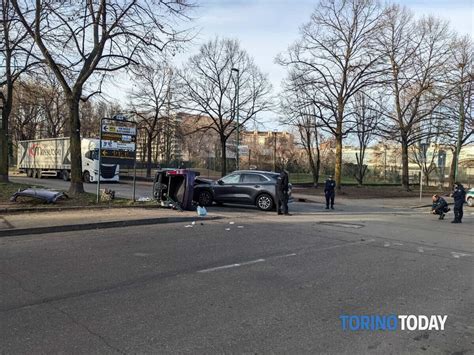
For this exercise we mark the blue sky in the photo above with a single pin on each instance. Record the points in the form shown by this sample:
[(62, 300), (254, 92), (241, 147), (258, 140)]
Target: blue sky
[(267, 27)]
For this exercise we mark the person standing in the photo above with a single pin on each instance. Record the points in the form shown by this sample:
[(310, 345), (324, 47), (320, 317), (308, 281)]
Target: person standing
[(440, 206), (282, 193), (330, 192), (459, 195)]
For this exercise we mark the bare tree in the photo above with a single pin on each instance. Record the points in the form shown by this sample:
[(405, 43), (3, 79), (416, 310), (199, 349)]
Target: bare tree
[(26, 115), (211, 89), (367, 118), (430, 132), (458, 107), (16, 58), (300, 112), (82, 41), (416, 52), (151, 100), (335, 59)]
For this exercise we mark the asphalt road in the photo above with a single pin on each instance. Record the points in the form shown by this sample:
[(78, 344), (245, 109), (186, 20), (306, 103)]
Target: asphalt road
[(249, 283)]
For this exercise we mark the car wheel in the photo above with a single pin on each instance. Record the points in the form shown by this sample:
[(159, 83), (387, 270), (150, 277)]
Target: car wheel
[(205, 198), (86, 177), (264, 202), (470, 202)]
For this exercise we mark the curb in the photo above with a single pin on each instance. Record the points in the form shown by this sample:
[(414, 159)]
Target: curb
[(66, 208), (99, 225)]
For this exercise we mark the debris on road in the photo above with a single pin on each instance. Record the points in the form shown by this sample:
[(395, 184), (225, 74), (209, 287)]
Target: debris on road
[(48, 196), (144, 199)]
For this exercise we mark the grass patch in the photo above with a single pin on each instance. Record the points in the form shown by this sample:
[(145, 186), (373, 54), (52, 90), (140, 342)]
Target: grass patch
[(82, 200)]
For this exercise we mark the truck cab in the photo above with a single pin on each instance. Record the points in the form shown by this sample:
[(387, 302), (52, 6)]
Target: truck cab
[(90, 163)]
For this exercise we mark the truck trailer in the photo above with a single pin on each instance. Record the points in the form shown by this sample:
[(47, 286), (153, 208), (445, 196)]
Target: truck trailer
[(52, 157)]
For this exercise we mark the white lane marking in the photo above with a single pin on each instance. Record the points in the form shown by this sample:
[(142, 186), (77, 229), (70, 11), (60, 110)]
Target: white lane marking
[(231, 222), (240, 226), (423, 249), (188, 226), (458, 255), (278, 256), (227, 229), (219, 268), (284, 256), (397, 243), (386, 244), (231, 265), (252, 262)]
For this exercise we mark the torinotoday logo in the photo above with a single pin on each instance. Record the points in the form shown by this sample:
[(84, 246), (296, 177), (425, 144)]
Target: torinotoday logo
[(392, 322)]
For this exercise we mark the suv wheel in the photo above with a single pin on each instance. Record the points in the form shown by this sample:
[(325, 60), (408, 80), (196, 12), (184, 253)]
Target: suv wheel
[(264, 202), (205, 198)]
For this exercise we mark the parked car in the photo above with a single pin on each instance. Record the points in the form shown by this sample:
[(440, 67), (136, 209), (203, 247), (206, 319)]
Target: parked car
[(470, 197), (246, 187)]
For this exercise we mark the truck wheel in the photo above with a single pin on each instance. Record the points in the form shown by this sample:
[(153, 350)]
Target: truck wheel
[(264, 202), (65, 175), (36, 174), (29, 172), (86, 177)]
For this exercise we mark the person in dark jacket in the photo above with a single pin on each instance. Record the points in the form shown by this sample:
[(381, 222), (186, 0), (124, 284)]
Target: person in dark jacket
[(282, 193), (330, 191), (440, 206), (459, 196)]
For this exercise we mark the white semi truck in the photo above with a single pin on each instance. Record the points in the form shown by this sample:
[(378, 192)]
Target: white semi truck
[(52, 157)]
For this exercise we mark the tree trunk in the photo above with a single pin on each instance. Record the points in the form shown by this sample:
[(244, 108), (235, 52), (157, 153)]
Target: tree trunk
[(318, 163), (312, 165), (7, 106), (223, 157), (148, 155), (4, 147), (405, 176), (76, 186), (338, 165), (452, 170)]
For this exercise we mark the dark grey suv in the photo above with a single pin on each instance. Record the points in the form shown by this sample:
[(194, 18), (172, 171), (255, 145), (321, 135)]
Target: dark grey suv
[(246, 187)]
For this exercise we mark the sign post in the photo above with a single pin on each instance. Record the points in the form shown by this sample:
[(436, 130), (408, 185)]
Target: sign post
[(423, 150), (117, 145)]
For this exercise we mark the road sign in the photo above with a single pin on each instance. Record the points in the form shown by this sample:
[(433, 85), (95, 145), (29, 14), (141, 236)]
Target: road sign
[(119, 129), (113, 145), (117, 145), (118, 142), (116, 154)]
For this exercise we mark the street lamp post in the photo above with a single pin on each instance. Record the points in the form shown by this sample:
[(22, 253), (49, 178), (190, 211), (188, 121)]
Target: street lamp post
[(237, 117)]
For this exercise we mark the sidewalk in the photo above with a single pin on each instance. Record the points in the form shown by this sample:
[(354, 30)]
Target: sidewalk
[(402, 202), (63, 221)]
